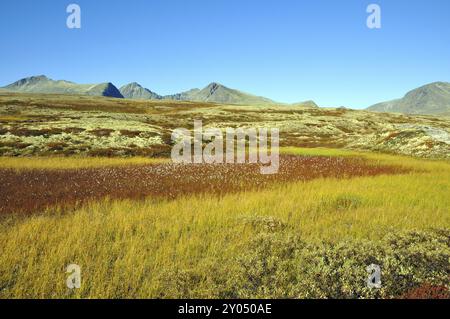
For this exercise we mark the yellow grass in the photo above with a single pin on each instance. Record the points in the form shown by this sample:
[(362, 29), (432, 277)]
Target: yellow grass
[(131, 249), (6, 118), (21, 163), (319, 151)]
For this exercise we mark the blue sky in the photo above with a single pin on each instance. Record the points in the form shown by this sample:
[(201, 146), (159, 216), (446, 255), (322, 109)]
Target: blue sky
[(285, 50)]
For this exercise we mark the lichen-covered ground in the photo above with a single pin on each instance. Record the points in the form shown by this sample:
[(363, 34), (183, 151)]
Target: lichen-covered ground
[(70, 125)]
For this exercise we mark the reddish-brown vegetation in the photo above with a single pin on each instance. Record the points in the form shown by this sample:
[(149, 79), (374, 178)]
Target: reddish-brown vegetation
[(129, 133), (427, 291), (73, 130), (17, 145), (102, 132), (31, 191), (24, 132)]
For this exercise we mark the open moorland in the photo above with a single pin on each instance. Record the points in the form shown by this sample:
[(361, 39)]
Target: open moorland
[(87, 181), (79, 125)]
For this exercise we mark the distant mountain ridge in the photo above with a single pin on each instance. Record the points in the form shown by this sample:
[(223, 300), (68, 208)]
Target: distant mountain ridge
[(433, 99), (214, 92), (43, 84)]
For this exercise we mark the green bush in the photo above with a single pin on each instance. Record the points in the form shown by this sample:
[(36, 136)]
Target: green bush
[(280, 265)]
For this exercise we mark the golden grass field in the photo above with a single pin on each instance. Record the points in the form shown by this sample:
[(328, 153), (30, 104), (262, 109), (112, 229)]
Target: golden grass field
[(307, 239), (52, 163)]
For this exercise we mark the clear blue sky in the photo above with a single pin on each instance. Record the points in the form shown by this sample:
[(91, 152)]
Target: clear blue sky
[(286, 50)]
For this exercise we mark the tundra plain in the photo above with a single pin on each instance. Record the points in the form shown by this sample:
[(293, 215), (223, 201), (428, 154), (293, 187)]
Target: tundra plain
[(88, 181)]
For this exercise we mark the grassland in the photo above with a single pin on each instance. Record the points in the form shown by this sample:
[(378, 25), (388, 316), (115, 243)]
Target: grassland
[(86, 180), (297, 239)]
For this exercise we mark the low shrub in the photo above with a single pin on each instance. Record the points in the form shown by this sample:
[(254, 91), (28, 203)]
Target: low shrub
[(280, 265)]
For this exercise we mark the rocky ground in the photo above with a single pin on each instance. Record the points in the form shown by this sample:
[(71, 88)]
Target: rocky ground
[(70, 125)]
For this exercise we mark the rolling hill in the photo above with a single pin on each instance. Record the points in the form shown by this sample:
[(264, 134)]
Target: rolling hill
[(433, 98)]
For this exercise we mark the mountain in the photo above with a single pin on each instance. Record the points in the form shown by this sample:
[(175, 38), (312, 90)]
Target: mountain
[(219, 93), (42, 84), (433, 98), (137, 92), (183, 96), (104, 89), (306, 104), (214, 92)]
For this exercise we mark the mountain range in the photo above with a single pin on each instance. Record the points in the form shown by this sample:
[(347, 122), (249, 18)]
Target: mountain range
[(433, 98), (214, 92)]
